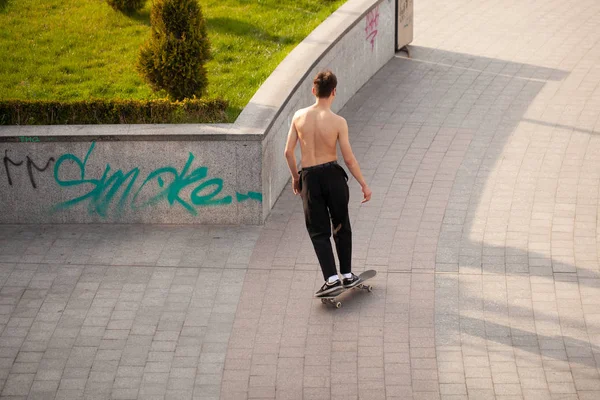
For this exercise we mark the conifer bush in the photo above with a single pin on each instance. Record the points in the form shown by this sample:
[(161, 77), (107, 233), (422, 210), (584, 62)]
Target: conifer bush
[(127, 6), (173, 58)]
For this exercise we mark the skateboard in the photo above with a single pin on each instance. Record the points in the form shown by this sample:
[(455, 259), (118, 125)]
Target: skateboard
[(331, 300)]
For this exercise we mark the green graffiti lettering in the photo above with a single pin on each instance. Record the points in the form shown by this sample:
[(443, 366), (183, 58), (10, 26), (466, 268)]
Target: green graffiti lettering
[(102, 201), (250, 195), (171, 183), (208, 199), (160, 195), (29, 139), (74, 182)]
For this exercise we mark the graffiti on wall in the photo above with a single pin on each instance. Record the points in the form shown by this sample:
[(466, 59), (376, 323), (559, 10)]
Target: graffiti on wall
[(372, 22), (8, 162), (115, 191)]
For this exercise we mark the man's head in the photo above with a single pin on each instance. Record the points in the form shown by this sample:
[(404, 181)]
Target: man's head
[(324, 84)]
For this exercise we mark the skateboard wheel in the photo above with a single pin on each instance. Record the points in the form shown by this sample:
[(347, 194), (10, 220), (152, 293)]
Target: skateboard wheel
[(323, 301), (369, 288), (338, 304)]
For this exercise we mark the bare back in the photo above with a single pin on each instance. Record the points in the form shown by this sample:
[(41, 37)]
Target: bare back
[(318, 131)]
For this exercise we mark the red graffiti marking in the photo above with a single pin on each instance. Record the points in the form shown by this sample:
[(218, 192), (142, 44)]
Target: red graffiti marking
[(372, 20)]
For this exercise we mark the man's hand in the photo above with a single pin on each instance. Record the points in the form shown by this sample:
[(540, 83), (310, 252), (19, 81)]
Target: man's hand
[(296, 186), (366, 193)]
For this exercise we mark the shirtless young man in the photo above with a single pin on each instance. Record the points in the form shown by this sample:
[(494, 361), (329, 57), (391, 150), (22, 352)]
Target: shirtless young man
[(322, 182)]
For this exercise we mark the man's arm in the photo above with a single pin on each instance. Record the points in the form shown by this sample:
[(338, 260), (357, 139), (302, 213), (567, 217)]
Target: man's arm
[(290, 156), (351, 161)]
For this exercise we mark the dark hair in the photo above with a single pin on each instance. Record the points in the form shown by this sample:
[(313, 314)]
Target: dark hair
[(324, 83)]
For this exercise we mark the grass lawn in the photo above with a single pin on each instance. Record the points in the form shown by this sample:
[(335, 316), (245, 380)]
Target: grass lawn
[(82, 49)]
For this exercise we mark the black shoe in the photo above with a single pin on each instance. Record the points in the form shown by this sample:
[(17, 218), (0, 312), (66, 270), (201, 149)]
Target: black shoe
[(351, 282), (329, 288)]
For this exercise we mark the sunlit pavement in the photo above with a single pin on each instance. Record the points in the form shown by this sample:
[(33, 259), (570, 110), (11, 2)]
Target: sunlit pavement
[(483, 153)]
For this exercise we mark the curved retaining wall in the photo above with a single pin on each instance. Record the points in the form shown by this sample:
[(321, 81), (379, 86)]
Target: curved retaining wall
[(354, 42), (211, 174)]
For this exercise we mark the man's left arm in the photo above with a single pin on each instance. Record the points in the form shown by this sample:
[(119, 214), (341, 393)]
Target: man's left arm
[(290, 156)]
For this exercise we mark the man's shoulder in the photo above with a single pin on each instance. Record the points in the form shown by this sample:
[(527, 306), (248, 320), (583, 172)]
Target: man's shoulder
[(301, 112), (338, 119), (332, 117)]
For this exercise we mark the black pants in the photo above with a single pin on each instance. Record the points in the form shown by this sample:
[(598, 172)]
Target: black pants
[(325, 196)]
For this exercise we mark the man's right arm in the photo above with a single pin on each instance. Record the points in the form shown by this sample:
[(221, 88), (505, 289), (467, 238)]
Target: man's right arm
[(290, 156), (351, 161)]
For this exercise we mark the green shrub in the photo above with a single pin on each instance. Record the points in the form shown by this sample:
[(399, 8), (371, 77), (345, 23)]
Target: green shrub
[(40, 112), (126, 5), (174, 56)]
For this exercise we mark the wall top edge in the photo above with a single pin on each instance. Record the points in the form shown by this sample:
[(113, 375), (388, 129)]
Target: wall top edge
[(124, 133)]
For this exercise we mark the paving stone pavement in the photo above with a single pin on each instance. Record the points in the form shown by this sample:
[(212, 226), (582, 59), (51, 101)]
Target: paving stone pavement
[(483, 153)]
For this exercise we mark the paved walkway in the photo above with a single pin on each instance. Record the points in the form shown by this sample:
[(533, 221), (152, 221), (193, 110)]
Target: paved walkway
[(483, 151)]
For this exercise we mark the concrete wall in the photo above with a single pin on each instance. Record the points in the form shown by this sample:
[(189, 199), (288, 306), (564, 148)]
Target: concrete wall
[(210, 174), (212, 182)]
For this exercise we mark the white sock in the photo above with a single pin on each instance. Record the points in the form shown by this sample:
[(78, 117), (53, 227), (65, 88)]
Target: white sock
[(348, 275), (332, 278)]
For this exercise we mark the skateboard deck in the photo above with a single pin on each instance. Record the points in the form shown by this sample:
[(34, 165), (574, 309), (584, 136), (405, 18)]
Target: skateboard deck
[(365, 276)]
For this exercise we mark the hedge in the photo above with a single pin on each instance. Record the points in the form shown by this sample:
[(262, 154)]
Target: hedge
[(126, 6), (40, 112)]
